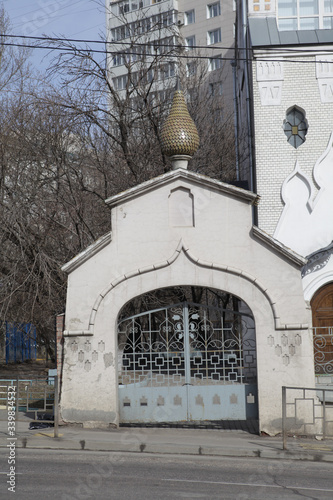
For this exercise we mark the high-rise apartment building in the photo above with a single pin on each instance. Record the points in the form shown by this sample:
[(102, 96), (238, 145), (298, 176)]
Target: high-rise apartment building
[(154, 40)]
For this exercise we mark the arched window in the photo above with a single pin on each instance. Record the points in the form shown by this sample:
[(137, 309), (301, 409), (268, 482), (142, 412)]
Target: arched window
[(295, 126)]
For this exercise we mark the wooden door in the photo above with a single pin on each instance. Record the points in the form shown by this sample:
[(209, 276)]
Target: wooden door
[(322, 319)]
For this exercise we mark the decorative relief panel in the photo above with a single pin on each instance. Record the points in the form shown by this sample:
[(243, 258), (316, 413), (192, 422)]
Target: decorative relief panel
[(233, 399), (270, 78), (73, 345), (177, 400), (250, 399), (160, 401), (285, 345), (87, 353), (101, 346), (181, 208), (199, 400), (269, 71), (324, 74), (216, 400), (87, 345)]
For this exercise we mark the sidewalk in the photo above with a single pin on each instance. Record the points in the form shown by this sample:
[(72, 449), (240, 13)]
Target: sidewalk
[(232, 443)]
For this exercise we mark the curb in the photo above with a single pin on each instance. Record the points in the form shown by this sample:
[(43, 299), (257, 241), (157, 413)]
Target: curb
[(59, 444)]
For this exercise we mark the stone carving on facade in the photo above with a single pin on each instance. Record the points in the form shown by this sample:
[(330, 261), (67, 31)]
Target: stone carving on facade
[(101, 346), (270, 78), (74, 346), (285, 345), (324, 74), (88, 353), (87, 345)]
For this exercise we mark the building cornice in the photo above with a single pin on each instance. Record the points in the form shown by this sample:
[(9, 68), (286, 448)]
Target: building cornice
[(86, 254), (185, 175), (276, 245)]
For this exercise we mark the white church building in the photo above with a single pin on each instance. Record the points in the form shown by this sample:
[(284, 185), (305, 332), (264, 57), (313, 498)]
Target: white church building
[(289, 82), (128, 359)]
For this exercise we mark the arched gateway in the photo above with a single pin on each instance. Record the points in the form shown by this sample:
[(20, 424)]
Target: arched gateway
[(186, 361), (182, 229), (181, 361)]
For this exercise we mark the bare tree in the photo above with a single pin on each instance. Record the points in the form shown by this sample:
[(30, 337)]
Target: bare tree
[(127, 107), (67, 145)]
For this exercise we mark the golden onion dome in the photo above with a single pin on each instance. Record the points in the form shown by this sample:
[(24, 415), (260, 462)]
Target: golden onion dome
[(179, 135)]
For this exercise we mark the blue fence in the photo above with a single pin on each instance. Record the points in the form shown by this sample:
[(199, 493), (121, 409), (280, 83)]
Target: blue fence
[(20, 342)]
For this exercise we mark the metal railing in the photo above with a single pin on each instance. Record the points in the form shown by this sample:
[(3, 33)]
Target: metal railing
[(323, 349), (307, 411), (32, 397)]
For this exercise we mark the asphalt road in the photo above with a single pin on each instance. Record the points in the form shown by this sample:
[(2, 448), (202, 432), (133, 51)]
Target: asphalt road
[(73, 475)]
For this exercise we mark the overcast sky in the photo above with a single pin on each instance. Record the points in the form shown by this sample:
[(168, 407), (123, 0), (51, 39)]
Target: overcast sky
[(84, 19)]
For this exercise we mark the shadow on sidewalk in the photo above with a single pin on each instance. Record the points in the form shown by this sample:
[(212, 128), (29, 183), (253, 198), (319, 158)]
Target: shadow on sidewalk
[(250, 426)]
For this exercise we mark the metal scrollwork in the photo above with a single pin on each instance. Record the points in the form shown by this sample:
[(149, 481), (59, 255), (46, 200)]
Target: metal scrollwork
[(323, 350), (187, 344)]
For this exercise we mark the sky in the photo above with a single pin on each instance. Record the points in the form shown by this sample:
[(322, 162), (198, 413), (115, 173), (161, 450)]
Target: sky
[(83, 19)]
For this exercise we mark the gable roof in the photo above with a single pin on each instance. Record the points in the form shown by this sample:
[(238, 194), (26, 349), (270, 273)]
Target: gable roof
[(198, 179), (87, 253), (169, 177)]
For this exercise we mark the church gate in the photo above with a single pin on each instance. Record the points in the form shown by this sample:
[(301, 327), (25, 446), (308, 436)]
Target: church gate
[(187, 362)]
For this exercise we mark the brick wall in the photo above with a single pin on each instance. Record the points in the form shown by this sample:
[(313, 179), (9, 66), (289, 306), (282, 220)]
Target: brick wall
[(275, 158)]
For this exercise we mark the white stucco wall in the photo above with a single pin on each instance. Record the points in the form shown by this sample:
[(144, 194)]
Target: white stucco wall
[(220, 250)]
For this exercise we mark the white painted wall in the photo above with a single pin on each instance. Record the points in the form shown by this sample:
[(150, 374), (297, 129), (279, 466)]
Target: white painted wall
[(146, 252)]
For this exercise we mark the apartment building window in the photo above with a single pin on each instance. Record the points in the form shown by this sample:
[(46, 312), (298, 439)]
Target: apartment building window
[(213, 10), (163, 19), (124, 8), (214, 36), (305, 14), (167, 70), (128, 6), (141, 26), (191, 69), (215, 63), (189, 17), (190, 42), (118, 60), (218, 115), (215, 89), (161, 45), (150, 75), (120, 82)]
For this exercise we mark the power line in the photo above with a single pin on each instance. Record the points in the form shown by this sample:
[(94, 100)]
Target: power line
[(132, 43), (76, 51)]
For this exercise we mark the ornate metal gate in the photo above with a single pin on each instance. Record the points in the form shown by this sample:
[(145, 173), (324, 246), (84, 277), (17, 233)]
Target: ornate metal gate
[(187, 362)]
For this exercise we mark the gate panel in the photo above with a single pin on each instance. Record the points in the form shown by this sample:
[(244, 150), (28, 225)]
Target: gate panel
[(187, 362)]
